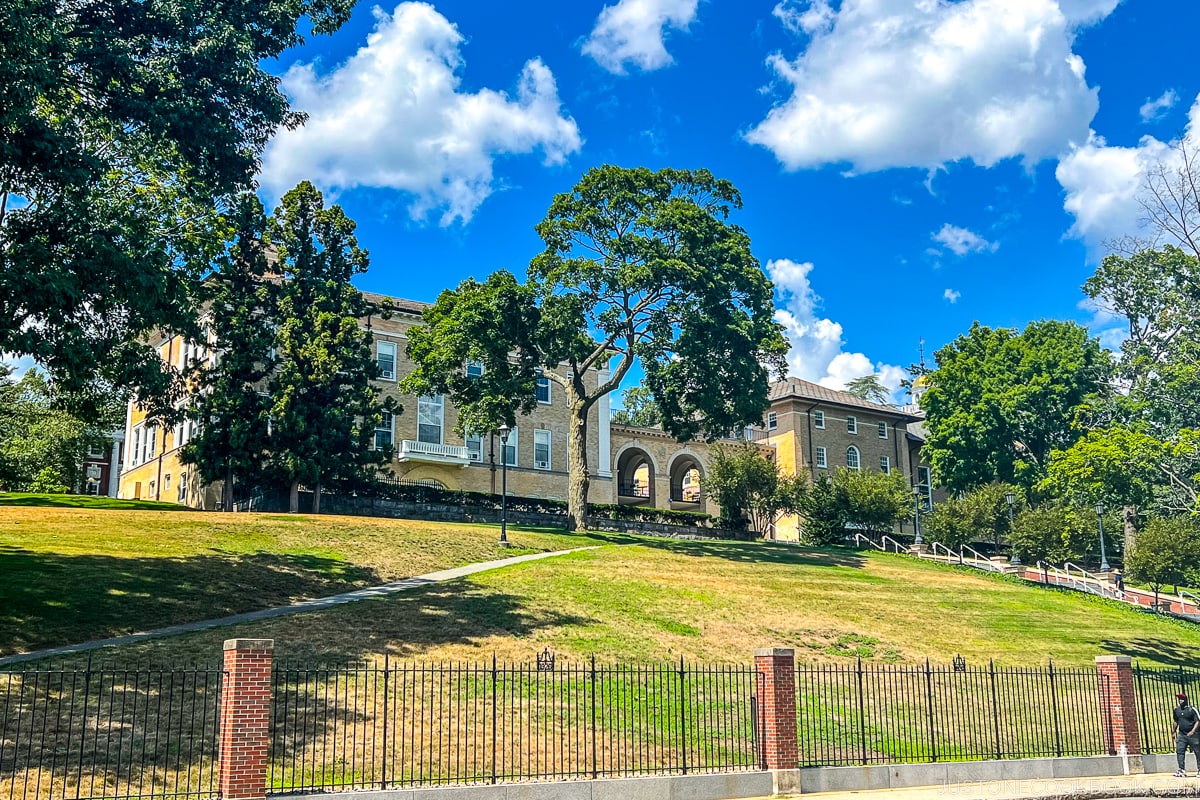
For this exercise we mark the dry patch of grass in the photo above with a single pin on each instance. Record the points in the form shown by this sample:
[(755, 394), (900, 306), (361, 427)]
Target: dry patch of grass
[(717, 602), (74, 574)]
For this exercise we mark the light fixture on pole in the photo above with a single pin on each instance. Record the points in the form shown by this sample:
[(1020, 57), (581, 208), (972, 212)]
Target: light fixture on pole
[(917, 514), (504, 431), (1100, 522), (1011, 498)]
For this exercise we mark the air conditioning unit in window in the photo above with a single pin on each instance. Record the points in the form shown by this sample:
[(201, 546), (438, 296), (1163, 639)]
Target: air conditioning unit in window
[(387, 375), (541, 465), (475, 455)]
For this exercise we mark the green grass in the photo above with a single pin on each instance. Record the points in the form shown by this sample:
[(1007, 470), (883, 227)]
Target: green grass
[(74, 574), (656, 600), (83, 501)]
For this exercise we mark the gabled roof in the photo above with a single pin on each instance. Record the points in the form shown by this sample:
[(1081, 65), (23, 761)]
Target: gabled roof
[(800, 389)]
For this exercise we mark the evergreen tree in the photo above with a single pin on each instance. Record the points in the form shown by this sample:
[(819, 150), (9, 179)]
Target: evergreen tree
[(228, 407), (324, 408)]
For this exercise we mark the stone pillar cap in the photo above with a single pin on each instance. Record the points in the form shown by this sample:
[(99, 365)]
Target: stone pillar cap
[(249, 644), (774, 651), (1114, 659)]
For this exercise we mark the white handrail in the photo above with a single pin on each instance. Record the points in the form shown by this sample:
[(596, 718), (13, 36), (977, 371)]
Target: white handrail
[(859, 538), (1184, 594), (977, 558), (898, 548), (949, 553)]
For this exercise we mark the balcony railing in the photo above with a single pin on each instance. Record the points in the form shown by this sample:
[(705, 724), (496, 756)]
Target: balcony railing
[(412, 450)]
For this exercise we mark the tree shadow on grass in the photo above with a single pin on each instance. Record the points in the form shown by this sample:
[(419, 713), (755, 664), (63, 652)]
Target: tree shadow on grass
[(757, 552), (1155, 650), (51, 599), (411, 623)]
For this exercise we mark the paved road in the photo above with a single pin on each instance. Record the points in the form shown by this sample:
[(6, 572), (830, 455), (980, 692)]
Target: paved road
[(301, 607)]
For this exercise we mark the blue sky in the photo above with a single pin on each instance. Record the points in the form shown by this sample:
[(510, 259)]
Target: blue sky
[(907, 166)]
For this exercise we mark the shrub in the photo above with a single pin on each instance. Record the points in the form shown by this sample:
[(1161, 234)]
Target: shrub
[(48, 481)]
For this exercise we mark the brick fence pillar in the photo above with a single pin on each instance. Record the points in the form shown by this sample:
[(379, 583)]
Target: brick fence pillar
[(1118, 705), (245, 719), (776, 669)]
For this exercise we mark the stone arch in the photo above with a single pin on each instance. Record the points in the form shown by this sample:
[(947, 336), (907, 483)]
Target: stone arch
[(431, 475), (636, 474), (687, 473)]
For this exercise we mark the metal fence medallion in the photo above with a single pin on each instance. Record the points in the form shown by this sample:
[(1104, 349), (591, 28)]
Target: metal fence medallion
[(960, 664), (545, 661)]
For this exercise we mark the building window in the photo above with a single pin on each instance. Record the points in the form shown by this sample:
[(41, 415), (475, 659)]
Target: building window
[(510, 449), (851, 424), (385, 358), (135, 451), (822, 460), (541, 449), (819, 420), (772, 421), (885, 465), (852, 461), (883, 434), (474, 369), (95, 451), (430, 410), (474, 447), (182, 488), (385, 432), (167, 482), (543, 388)]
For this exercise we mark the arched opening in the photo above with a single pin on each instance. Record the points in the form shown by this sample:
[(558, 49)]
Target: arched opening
[(687, 483), (635, 478)]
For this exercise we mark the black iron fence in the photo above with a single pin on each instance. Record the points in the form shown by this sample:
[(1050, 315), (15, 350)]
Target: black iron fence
[(93, 732), (387, 724), (882, 714), (108, 732), (1156, 688)]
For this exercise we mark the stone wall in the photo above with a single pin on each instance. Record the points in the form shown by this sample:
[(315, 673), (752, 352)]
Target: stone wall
[(457, 512)]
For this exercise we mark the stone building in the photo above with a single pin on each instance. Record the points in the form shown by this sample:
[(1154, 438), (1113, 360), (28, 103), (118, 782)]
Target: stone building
[(815, 430), (427, 449)]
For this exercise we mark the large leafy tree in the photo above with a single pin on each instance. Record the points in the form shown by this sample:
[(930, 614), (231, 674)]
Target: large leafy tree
[(1000, 401), (42, 442), (227, 402), (1165, 553), (324, 408), (638, 409), (638, 266), (122, 126), (749, 486), (871, 388)]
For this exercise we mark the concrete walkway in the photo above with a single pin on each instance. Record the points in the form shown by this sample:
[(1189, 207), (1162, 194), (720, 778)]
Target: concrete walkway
[(316, 604), (1120, 786)]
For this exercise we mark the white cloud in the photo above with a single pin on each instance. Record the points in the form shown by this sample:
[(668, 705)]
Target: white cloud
[(805, 16), (816, 353), (19, 364), (392, 116), (893, 83), (1102, 184), (952, 295), (961, 241), (632, 32), (1155, 108)]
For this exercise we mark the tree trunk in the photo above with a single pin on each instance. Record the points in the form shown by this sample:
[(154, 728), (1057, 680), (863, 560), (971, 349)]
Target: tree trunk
[(1129, 519), (228, 498), (316, 506), (294, 498), (578, 480)]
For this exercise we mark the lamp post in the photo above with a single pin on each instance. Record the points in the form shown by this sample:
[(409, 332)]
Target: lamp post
[(1011, 498), (1100, 522), (917, 514), (504, 430)]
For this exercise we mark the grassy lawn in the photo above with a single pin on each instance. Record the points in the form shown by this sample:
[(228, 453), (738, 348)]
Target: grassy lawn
[(84, 501), (716, 602), (74, 574)]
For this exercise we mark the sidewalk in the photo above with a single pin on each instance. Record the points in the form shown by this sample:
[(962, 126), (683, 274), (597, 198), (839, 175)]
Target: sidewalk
[(1120, 786)]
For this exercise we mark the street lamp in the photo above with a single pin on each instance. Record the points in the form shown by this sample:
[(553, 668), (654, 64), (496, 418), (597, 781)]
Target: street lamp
[(917, 514), (1011, 498), (1100, 522), (504, 431)]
